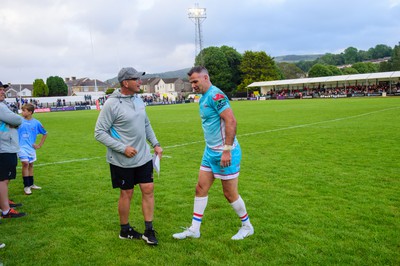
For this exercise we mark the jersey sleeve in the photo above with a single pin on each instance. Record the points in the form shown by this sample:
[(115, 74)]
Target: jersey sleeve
[(40, 128), (219, 101)]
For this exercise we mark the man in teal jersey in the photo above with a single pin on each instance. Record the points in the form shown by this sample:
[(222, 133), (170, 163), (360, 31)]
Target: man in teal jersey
[(222, 155)]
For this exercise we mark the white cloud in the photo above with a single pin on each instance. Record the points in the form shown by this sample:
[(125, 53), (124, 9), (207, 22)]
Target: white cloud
[(94, 38), (393, 3), (145, 4), (265, 2)]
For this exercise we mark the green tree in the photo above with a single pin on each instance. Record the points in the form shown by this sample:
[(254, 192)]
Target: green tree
[(395, 58), (360, 67), (57, 86), (393, 64), (384, 67), (109, 91), (257, 66), (349, 71), (372, 68), (319, 70), (364, 56), (350, 55), (290, 70), (335, 71), (217, 64), (234, 60), (330, 59), (305, 65), (40, 89), (365, 67), (380, 51)]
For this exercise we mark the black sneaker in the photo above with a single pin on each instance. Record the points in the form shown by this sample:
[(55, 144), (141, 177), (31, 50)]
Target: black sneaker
[(13, 204), (13, 214), (130, 234), (150, 237)]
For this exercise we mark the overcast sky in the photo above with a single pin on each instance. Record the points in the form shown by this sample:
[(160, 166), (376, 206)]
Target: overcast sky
[(95, 38)]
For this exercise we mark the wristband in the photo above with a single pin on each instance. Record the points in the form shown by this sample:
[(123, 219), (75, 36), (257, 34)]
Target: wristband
[(157, 145), (227, 148)]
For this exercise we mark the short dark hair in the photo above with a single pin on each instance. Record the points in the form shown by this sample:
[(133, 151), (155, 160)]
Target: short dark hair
[(28, 106), (197, 69)]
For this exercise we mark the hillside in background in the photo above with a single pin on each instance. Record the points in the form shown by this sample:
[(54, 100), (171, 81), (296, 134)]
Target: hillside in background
[(181, 73), (296, 58)]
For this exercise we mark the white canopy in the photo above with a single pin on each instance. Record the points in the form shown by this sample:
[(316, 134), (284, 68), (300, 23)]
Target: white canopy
[(344, 79)]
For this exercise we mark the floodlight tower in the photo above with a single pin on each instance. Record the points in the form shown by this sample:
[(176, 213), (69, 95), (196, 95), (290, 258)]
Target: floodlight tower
[(198, 15)]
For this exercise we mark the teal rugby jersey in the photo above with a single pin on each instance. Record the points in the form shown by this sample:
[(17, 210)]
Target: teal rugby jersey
[(213, 103)]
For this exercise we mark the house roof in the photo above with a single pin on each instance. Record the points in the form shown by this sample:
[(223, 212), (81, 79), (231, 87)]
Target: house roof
[(170, 80), (150, 81), (10, 89), (86, 82), (18, 87)]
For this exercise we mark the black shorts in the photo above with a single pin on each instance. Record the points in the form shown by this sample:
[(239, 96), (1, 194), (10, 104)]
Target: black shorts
[(127, 178), (8, 166)]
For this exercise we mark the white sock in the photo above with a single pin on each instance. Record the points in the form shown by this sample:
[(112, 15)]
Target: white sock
[(200, 204), (6, 212), (240, 209)]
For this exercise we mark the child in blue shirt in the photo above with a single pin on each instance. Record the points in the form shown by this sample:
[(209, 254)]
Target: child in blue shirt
[(28, 131)]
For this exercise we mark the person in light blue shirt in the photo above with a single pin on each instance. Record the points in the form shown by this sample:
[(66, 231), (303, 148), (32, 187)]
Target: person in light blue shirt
[(28, 132), (221, 157)]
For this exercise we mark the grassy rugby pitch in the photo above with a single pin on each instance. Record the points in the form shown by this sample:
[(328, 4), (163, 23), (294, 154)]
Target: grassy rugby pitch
[(321, 180)]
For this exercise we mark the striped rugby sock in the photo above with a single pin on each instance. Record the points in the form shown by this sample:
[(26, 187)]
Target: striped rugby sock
[(244, 218), (240, 209), (200, 204)]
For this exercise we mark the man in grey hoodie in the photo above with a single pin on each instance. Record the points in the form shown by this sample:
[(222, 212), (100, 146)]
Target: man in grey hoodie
[(124, 128), (9, 148)]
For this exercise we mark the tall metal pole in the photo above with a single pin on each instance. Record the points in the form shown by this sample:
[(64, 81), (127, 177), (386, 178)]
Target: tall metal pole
[(20, 96), (198, 15), (91, 41)]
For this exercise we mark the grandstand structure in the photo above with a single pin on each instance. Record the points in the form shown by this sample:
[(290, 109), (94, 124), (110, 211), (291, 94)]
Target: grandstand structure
[(391, 79)]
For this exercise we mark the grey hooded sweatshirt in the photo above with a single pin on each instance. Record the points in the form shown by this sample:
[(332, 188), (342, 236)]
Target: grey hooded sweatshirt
[(123, 122), (8, 131)]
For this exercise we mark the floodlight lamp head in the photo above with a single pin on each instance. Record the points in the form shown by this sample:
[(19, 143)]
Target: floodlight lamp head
[(197, 12)]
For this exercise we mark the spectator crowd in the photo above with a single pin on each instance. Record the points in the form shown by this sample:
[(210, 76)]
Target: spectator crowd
[(323, 91)]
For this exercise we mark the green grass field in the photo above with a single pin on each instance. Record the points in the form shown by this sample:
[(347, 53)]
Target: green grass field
[(320, 178)]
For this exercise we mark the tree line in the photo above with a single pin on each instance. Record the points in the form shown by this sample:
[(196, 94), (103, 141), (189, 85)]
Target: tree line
[(232, 71), (54, 86)]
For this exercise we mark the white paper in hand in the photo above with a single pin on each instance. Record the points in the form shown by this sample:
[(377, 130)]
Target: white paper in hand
[(156, 164)]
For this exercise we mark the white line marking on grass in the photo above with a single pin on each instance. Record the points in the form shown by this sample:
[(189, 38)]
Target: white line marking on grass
[(80, 160), (241, 135), (291, 127), (184, 144), (69, 161), (317, 123)]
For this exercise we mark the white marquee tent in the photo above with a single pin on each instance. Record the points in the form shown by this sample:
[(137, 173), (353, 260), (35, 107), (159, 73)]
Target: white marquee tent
[(331, 81)]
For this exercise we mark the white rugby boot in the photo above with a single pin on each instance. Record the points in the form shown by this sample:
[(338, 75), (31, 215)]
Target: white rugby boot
[(186, 234), (244, 231)]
